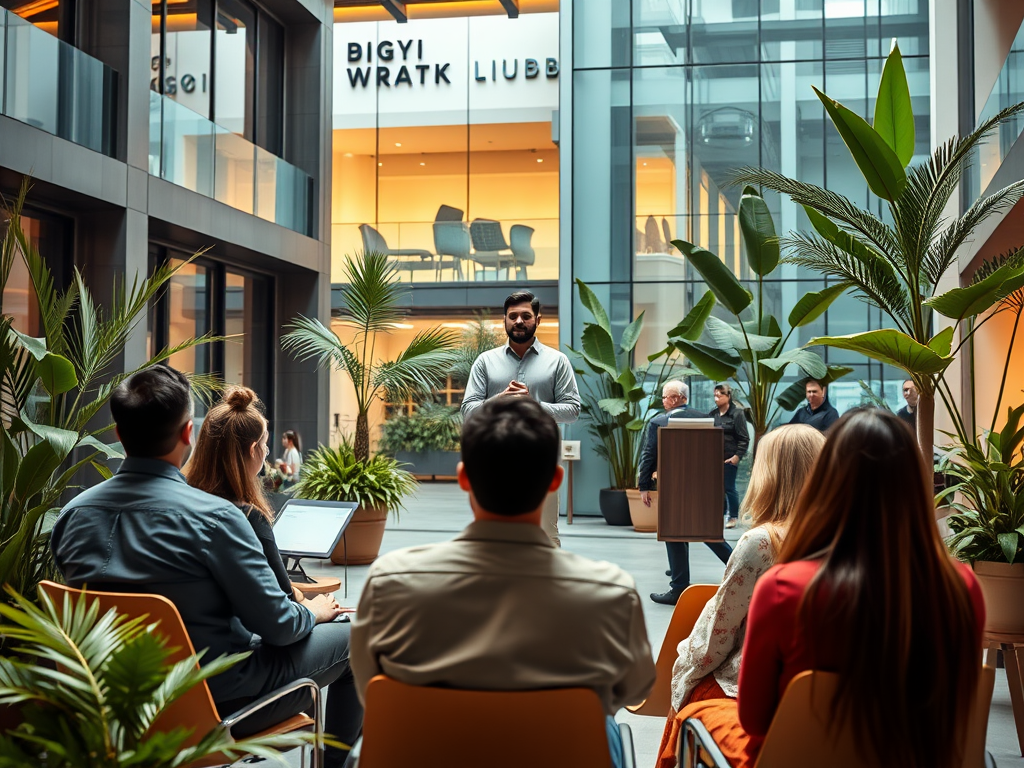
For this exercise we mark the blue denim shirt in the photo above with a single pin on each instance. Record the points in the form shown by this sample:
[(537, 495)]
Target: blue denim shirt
[(147, 530)]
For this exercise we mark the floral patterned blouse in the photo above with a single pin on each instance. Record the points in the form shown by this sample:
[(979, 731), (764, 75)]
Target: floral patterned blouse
[(715, 644)]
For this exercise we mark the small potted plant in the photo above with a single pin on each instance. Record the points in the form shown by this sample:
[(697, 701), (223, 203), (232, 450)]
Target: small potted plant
[(988, 522), (378, 485)]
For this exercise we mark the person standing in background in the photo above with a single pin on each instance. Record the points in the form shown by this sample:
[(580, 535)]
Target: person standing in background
[(731, 419), (291, 462), (527, 368), (818, 412), (909, 412)]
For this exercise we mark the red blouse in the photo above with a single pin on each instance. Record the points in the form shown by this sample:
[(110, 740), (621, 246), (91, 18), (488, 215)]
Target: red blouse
[(774, 653)]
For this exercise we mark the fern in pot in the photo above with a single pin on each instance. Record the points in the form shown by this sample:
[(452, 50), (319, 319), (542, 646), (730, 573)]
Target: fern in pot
[(377, 484)]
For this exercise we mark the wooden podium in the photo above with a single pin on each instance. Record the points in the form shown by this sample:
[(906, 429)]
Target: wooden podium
[(691, 484)]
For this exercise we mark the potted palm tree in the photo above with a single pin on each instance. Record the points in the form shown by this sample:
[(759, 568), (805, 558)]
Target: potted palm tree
[(371, 298), (53, 390)]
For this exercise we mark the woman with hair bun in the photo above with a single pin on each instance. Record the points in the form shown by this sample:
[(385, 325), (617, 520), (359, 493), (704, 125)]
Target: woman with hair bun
[(226, 461)]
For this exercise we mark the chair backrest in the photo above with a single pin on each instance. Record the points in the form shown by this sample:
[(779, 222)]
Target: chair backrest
[(688, 608), (195, 710), (451, 238), (448, 213), (487, 235), (668, 233), (520, 239), (415, 725), (373, 241), (800, 736)]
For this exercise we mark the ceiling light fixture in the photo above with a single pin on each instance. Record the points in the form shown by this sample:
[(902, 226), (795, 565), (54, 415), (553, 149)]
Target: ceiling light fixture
[(422, 163), (398, 143)]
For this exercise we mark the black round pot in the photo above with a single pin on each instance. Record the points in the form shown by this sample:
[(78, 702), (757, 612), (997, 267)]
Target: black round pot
[(614, 506)]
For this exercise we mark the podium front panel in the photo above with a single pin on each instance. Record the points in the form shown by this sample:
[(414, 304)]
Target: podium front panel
[(691, 484)]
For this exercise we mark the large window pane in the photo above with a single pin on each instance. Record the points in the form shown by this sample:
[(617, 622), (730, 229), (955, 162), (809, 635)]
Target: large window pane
[(236, 66), (270, 85), (188, 316), (723, 32), (660, 32), (186, 68), (602, 176), (791, 30), (601, 33)]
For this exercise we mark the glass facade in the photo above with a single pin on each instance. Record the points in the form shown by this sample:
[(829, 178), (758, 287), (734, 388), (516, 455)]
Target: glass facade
[(445, 146), (670, 97)]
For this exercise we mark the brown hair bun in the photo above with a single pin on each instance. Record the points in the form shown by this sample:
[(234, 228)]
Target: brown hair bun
[(239, 398)]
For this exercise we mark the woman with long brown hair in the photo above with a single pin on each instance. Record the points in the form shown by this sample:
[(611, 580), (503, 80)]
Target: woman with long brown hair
[(866, 589), (708, 665), (226, 461)]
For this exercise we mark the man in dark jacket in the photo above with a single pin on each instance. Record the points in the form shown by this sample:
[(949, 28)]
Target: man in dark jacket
[(909, 412), (819, 412), (674, 395), (147, 530)]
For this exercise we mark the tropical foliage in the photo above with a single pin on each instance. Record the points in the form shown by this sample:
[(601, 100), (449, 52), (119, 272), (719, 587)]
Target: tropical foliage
[(988, 495), (896, 261), (752, 352), (431, 427), (476, 339), (337, 474), (614, 401), (88, 687), (371, 298), (53, 390)]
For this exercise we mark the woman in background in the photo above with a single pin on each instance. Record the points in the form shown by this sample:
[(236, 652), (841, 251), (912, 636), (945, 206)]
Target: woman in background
[(708, 665), (865, 589), (730, 418), (291, 462)]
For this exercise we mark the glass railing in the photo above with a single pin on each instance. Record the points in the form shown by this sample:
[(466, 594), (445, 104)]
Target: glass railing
[(188, 150), (455, 251), (1007, 91), (55, 87)]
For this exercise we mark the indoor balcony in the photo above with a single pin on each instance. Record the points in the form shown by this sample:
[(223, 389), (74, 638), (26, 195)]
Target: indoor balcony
[(53, 86), (188, 150)]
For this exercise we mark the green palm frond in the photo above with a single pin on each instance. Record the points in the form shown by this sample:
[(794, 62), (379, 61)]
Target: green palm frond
[(310, 339), (421, 367), (370, 295), (874, 279), (941, 254), (843, 210)]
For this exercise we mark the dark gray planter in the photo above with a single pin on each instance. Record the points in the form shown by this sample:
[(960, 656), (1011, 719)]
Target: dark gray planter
[(432, 463), (614, 506)]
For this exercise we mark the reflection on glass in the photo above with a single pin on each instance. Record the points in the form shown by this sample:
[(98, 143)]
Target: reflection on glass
[(234, 167), (1007, 91), (724, 32), (237, 300), (791, 31), (188, 316), (52, 16), (187, 63), (660, 32), (55, 87), (187, 145), (19, 299), (236, 66), (601, 34)]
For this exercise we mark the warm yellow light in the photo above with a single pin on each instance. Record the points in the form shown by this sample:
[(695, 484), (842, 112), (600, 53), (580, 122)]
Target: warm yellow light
[(422, 163), (540, 159), (398, 143)]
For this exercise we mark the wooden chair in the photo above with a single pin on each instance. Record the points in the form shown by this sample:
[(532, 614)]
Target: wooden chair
[(799, 735), (194, 710), (691, 603), (409, 725)]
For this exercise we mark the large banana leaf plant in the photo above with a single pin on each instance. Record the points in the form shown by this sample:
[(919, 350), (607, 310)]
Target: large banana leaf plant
[(87, 687), (371, 297), (615, 403), (752, 352), (896, 261), (52, 393)]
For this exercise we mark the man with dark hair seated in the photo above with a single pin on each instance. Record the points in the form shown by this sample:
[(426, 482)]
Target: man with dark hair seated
[(501, 607), (147, 530)]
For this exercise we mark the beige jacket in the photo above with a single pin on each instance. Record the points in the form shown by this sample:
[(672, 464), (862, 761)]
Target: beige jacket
[(500, 608)]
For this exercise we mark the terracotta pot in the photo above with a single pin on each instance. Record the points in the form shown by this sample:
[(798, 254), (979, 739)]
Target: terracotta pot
[(1002, 585), (362, 537), (645, 519), (614, 506)]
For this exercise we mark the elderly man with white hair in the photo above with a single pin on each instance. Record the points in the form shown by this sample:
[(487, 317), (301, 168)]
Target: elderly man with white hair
[(674, 397)]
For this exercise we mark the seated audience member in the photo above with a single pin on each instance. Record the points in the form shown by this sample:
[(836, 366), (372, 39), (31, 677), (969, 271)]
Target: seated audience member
[(501, 607), (147, 530), (226, 461), (866, 589), (708, 666)]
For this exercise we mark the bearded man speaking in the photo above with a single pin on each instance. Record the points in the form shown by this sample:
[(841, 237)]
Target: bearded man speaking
[(523, 367)]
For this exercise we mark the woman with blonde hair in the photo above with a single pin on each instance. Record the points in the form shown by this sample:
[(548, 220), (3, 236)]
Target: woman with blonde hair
[(226, 461), (708, 665), (866, 589)]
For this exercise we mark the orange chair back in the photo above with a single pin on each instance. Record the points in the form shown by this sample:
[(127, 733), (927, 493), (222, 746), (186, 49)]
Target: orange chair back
[(416, 725), (691, 603), (195, 709), (799, 734)]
